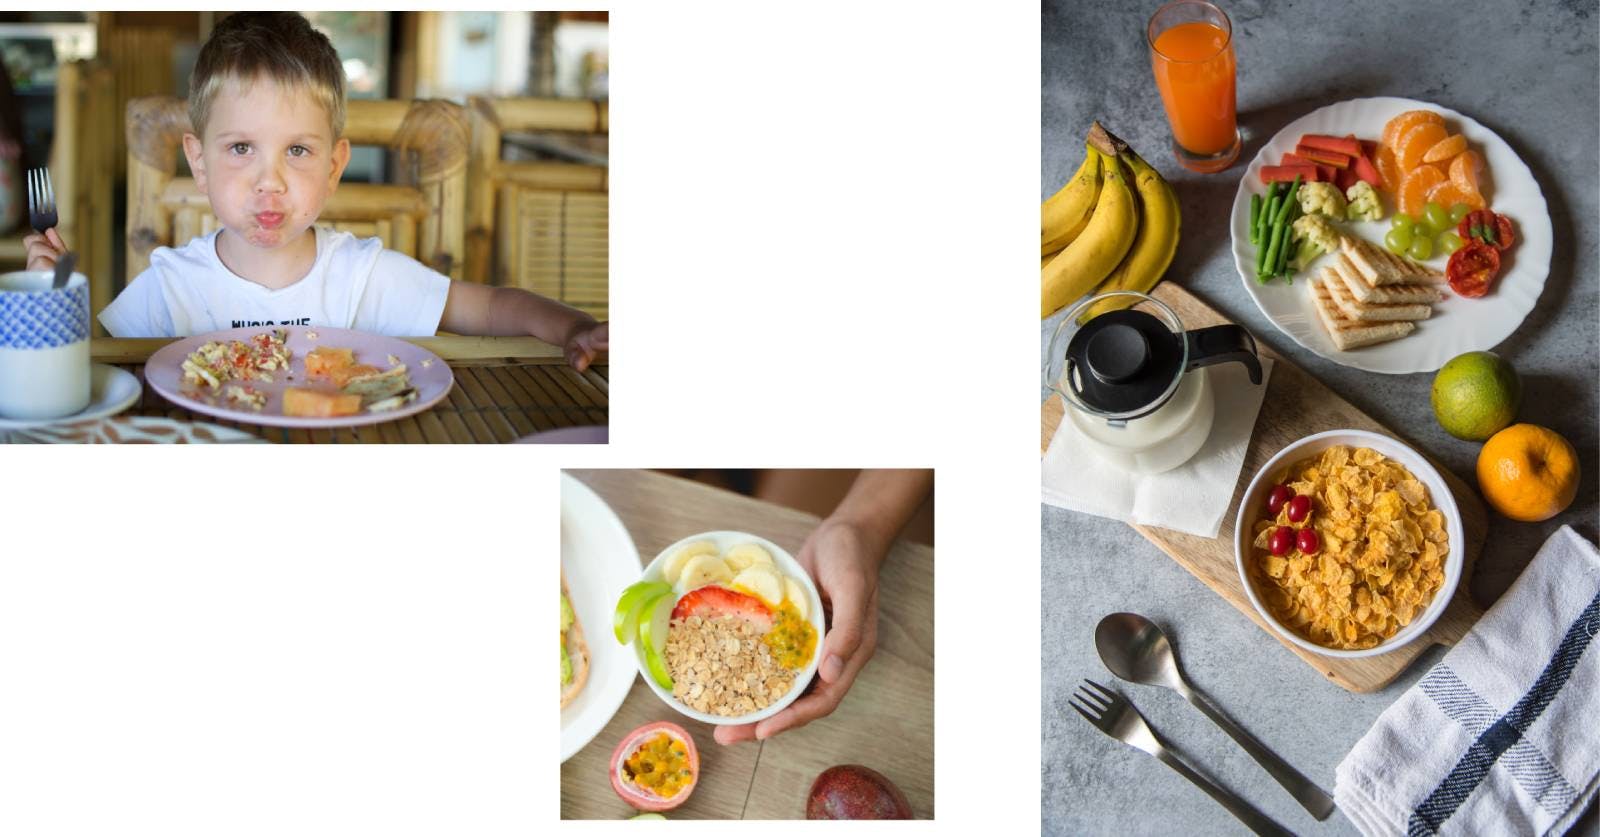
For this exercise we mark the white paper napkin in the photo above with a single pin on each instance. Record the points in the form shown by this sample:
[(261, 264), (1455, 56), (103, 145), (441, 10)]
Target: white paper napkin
[(1503, 735), (1189, 498)]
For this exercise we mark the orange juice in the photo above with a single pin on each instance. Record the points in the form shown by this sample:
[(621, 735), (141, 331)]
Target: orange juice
[(1194, 69)]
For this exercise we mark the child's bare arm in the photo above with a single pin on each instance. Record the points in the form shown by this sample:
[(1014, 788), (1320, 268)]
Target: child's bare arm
[(480, 309)]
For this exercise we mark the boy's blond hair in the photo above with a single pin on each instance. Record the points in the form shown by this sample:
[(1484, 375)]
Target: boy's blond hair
[(281, 46)]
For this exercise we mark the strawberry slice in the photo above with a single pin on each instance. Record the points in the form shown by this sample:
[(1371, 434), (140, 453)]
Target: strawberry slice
[(712, 601)]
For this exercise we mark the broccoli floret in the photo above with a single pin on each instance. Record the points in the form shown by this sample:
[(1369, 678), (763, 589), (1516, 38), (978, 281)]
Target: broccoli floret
[(1316, 236), (1364, 204), (1321, 199)]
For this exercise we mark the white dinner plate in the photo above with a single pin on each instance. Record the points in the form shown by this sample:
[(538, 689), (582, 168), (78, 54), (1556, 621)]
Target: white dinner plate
[(600, 560), (1458, 324)]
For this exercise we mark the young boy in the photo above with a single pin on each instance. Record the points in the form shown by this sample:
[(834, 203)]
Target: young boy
[(267, 105)]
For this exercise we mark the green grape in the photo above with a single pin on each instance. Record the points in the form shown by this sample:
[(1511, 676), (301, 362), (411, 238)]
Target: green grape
[(1459, 211), (1398, 240), (1421, 248), (1449, 242), (1437, 218), (1400, 220), (1421, 231)]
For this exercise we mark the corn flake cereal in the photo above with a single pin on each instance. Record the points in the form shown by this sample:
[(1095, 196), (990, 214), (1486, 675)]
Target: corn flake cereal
[(1381, 556)]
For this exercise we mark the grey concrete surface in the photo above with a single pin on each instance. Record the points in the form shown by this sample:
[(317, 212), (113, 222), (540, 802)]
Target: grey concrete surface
[(1529, 72)]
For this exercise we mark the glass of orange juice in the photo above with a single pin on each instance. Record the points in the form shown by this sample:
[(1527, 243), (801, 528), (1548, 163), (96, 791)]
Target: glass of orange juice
[(1191, 53)]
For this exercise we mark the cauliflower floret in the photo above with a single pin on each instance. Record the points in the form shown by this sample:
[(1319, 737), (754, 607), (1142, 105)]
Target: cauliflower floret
[(1321, 198), (1316, 236), (1364, 204)]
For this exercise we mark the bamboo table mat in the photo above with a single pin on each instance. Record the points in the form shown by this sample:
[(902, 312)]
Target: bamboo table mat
[(505, 388), (885, 722)]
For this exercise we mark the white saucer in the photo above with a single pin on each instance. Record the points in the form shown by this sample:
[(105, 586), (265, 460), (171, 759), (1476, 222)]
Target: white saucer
[(111, 390)]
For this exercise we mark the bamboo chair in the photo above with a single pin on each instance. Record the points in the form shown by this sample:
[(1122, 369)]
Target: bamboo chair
[(423, 221), (82, 158), (541, 226)]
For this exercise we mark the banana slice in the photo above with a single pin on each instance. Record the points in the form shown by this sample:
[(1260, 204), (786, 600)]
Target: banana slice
[(747, 555), (761, 581), (673, 567), (701, 570), (797, 597)]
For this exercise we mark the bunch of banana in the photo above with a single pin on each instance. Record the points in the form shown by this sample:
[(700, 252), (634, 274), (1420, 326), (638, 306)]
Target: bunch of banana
[(1125, 244)]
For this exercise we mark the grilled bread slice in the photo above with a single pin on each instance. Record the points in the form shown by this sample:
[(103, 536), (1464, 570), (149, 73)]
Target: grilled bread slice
[(1362, 291), (1350, 334), (1369, 311), (1380, 267)]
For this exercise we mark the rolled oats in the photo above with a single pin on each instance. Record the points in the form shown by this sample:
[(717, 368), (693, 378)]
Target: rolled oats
[(720, 667)]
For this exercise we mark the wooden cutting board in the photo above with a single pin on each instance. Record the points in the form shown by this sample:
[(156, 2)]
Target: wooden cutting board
[(1297, 405)]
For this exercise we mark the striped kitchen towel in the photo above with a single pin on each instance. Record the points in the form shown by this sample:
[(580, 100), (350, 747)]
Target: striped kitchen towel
[(1503, 735)]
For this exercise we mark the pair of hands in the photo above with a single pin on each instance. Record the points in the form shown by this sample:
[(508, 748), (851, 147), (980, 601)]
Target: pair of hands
[(844, 560)]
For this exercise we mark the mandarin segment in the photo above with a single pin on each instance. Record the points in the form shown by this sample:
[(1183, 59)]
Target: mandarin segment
[(1414, 188), (1388, 169), (1396, 127), (1415, 142), (1465, 170), (1449, 193), (1445, 149)]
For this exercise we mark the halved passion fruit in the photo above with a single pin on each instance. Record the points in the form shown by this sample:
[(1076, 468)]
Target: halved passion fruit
[(655, 767)]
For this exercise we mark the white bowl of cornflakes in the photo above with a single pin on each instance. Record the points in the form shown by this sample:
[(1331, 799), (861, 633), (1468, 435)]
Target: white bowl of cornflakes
[(1386, 543)]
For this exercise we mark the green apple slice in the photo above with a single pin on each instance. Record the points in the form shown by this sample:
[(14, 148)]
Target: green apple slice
[(653, 626), (625, 622)]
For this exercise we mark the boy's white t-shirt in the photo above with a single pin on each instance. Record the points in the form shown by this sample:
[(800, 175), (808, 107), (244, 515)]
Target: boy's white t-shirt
[(354, 283)]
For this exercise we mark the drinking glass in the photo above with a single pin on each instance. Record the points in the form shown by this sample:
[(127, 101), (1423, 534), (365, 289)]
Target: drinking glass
[(1191, 54)]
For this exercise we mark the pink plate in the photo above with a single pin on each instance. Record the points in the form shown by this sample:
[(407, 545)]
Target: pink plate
[(430, 376)]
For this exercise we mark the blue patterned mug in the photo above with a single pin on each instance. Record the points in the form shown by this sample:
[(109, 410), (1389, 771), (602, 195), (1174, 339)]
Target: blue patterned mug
[(44, 345)]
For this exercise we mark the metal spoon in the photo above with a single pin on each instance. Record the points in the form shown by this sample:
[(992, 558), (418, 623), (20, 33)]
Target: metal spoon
[(1133, 648)]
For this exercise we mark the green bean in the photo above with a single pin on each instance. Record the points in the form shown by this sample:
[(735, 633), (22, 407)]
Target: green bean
[(1255, 218), (1261, 251)]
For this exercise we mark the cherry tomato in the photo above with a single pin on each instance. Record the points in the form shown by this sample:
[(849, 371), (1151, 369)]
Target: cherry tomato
[(1280, 494), (1472, 268), (1299, 509), (1489, 227), (1307, 541), (1282, 541)]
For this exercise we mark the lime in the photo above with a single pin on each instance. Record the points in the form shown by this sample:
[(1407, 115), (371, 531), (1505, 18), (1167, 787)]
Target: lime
[(1476, 395)]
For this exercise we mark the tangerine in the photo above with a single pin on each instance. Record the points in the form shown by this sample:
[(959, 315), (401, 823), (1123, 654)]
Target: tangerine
[(1528, 472), (1388, 169), (1449, 194), (1465, 170)]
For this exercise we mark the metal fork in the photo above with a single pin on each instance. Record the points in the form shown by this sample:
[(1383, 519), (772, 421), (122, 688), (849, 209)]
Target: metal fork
[(41, 201), (1113, 715)]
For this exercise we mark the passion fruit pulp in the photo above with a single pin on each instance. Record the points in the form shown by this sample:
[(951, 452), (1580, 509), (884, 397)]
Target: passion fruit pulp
[(655, 767)]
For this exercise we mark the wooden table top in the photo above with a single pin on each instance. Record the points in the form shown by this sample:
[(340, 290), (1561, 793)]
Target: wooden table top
[(505, 388), (885, 722)]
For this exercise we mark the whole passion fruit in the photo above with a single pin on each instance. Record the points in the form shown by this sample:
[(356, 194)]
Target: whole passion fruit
[(853, 792), (655, 767)]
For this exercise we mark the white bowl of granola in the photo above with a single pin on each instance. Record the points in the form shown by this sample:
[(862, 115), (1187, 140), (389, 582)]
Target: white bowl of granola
[(735, 648)]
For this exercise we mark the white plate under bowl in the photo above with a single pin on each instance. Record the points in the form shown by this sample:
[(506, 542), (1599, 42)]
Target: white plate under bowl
[(789, 567), (1254, 503), (600, 560), (1458, 324), (111, 390)]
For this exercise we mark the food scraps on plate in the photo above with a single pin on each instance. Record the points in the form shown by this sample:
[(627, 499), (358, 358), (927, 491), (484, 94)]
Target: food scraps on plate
[(726, 633), (1350, 548), (351, 387), (574, 651)]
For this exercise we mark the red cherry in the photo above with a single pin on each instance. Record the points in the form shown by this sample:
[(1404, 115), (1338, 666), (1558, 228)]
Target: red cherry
[(1299, 509), (1307, 541), (1280, 494), (1282, 540)]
